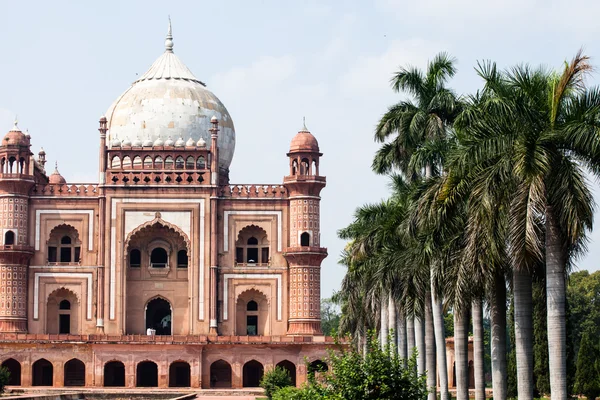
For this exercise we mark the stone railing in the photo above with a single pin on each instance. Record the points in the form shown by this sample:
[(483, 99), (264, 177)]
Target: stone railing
[(253, 191), (174, 339), (168, 177), (76, 189)]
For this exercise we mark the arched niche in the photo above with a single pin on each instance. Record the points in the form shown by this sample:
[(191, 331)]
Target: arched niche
[(252, 314), (63, 312)]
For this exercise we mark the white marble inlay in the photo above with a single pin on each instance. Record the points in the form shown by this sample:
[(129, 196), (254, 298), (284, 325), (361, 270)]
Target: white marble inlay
[(278, 214), (226, 278), (90, 213), (36, 288)]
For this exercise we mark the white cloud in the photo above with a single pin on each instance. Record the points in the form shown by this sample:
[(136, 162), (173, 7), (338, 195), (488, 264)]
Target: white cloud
[(372, 73)]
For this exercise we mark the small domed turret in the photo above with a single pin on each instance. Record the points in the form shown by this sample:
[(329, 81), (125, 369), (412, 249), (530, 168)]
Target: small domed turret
[(15, 137), (126, 142), (190, 143), (56, 178), (115, 143), (180, 142), (304, 141), (148, 142), (201, 143), (169, 142)]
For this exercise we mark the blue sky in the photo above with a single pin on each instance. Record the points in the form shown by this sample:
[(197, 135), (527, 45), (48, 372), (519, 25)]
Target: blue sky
[(271, 62)]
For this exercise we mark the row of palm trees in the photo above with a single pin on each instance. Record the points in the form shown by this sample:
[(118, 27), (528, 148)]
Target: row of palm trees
[(485, 190)]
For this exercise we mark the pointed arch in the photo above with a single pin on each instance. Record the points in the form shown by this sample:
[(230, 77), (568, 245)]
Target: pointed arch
[(157, 222)]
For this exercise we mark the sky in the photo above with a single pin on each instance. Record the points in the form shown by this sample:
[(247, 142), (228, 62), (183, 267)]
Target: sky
[(271, 63)]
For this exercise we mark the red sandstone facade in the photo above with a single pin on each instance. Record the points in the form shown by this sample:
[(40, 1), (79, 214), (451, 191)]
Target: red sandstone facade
[(162, 274)]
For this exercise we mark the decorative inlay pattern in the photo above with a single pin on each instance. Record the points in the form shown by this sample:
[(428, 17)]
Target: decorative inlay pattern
[(13, 291)]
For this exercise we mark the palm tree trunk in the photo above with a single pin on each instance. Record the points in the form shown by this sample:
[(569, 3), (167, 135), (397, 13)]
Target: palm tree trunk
[(498, 319), (440, 341), (401, 329), (392, 319), (410, 336), (461, 352), (420, 343), (383, 332), (430, 349), (523, 333), (478, 351), (555, 290)]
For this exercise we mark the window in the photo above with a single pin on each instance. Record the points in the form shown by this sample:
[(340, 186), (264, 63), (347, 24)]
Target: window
[(64, 305), (252, 306), (147, 162), (305, 239), (252, 246), (200, 164), (158, 258), (179, 162), (182, 259), (252, 325), (135, 258), (64, 245), (304, 167), (169, 162), (64, 324), (9, 238)]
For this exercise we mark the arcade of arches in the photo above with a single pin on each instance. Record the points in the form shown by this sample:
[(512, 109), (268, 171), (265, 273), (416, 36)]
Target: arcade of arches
[(149, 373)]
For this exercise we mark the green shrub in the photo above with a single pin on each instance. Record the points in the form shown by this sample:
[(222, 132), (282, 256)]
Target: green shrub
[(378, 375), (4, 378), (275, 379)]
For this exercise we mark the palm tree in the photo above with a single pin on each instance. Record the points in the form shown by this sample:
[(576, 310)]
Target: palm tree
[(420, 128), (544, 129)]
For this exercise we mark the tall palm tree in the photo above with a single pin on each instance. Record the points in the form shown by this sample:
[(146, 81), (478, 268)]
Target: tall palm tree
[(545, 127), (415, 126)]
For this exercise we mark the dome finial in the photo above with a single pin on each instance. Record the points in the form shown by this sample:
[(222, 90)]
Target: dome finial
[(56, 167), (304, 128), (169, 39), (16, 124)]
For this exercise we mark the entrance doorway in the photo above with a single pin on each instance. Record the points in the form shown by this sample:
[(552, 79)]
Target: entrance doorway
[(179, 374), (74, 373), (158, 316), (15, 371), (252, 373), (114, 373), (42, 372), (146, 374)]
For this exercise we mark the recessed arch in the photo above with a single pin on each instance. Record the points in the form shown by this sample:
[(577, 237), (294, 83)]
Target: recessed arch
[(42, 373), (115, 162), (63, 245), (252, 313), (126, 162), (190, 162), (252, 373), (220, 374), (14, 367), (179, 374), (146, 374), (74, 373), (252, 246), (148, 163), (157, 223), (63, 312), (114, 374), (201, 162)]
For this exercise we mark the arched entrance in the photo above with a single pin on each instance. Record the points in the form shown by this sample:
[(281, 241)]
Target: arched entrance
[(42, 373), (252, 374), (74, 373), (114, 374), (220, 374), (62, 312), (14, 367), (146, 374), (151, 260), (290, 367), (252, 313), (179, 374), (159, 316)]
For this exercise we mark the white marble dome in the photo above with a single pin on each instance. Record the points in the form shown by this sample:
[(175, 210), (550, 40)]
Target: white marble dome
[(168, 100)]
